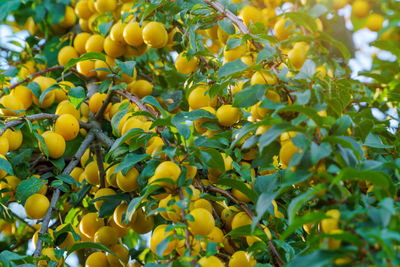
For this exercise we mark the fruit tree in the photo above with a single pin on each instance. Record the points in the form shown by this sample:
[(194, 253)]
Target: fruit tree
[(199, 133)]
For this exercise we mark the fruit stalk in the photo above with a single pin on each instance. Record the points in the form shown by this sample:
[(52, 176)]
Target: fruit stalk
[(75, 160)]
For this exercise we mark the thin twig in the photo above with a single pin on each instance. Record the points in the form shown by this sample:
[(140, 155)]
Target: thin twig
[(75, 160), (22, 220), (100, 113), (40, 116), (137, 101), (103, 138)]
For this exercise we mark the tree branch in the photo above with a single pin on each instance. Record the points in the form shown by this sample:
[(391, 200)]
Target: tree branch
[(40, 116), (102, 137), (250, 213), (137, 101), (235, 20), (100, 113), (75, 160)]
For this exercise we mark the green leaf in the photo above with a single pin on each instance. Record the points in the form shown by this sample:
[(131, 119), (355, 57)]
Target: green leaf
[(267, 53), (35, 88), (271, 134), (105, 27), (298, 221), (264, 201), (129, 161), (7, 7), (227, 25), (183, 116), (342, 48), (127, 67), (28, 187), (307, 70), (319, 152), (388, 45), (230, 68), (67, 179), (249, 96), (213, 159), (319, 258), (6, 166), (303, 19), (105, 85), (131, 133), (85, 245), (135, 202), (309, 112), (48, 90), (318, 10), (375, 141), (239, 185), (153, 101), (86, 56)]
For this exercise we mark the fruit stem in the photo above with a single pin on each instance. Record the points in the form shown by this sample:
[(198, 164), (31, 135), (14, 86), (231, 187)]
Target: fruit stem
[(75, 160)]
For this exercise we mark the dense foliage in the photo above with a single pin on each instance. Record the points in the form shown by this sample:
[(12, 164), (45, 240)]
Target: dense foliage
[(230, 131)]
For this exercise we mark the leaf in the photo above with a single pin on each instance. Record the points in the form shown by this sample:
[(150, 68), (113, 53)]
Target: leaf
[(28, 187), (227, 25), (239, 185), (129, 161), (35, 88), (6, 166), (307, 70), (264, 201), (319, 258), (249, 96), (302, 98), (318, 10), (310, 112), (183, 116), (7, 7), (105, 85), (153, 101), (213, 159), (105, 27), (231, 68), (86, 56), (297, 202), (67, 179), (375, 141), (303, 19), (271, 134), (319, 152), (342, 48), (125, 137), (135, 202), (127, 67), (267, 53), (298, 221)]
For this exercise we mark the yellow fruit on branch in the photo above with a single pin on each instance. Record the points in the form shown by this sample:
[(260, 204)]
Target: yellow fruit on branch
[(55, 144), (203, 222), (155, 35), (67, 126), (36, 206)]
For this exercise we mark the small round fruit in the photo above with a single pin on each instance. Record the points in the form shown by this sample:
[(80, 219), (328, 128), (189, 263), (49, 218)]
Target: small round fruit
[(210, 261), (106, 235), (155, 34), (143, 223), (287, 151), (86, 68), (101, 193), (133, 34), (4, 146), (199, 98), (112, 48), (241, 219), (95, 43), (80, 41), (185, 65), (55, 144), (66, 107), (375, 22), (36, 206), (330, 224), (228, 115), (69, 239), (12, 106), (281, 31), (65, 54), (24, 94), (67, 126), (118, 216), (360, 8), (166, 169), (117, 32), (90, 223), (103, 6), (203, 222), (92, 173), (160, 234), (69, 18), (242, 259), (97, 259), (128, 182), (96, 101), (122, 252), (82, 10), (15, 139), (141, 88)]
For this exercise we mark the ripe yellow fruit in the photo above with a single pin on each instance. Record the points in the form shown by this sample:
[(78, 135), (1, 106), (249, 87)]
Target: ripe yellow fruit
[(4, 146), (155, 34), (15, 139), (143, 223), (141, 88), (65, 54), (186, 66), (160, 234), (2, 172), (203, 222), (166, 169), (96, 101), (360, 8), (86, 68), (297, 56), (24, 94), (113, 48), (375, 22), (90, 223), (111, 177), (80, 41), (66, 107), (132, 123), (282, 31), (198, 98), (198, 123), (61, 93), (11, 183), (210, 261), (241, 219), (68, 241), (277, 213), (55, 144), (328, 225), (117, 32), (252, 239), (251, 14), (133, 34), (95, 43), (203, 203), (235, 53), (334, 243), (128, 183), (44, 83), (82, 10), (240, 196), (69, 18), (12, 106), (118, 216), (84, 25), (242, 259), (92, 173), (106, 235), (49, 252), (122, 253), (67, 126), (97, 259), (36, 206), (228, 115), (103, 6), (263, 78), (101, 193), (286, 152)]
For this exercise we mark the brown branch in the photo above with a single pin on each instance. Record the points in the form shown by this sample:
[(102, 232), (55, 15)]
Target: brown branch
[(250, 213), (75, 160), (137, 101), (40, 116), (100, 164), (100, 113), (235, 20), (102, 137)]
